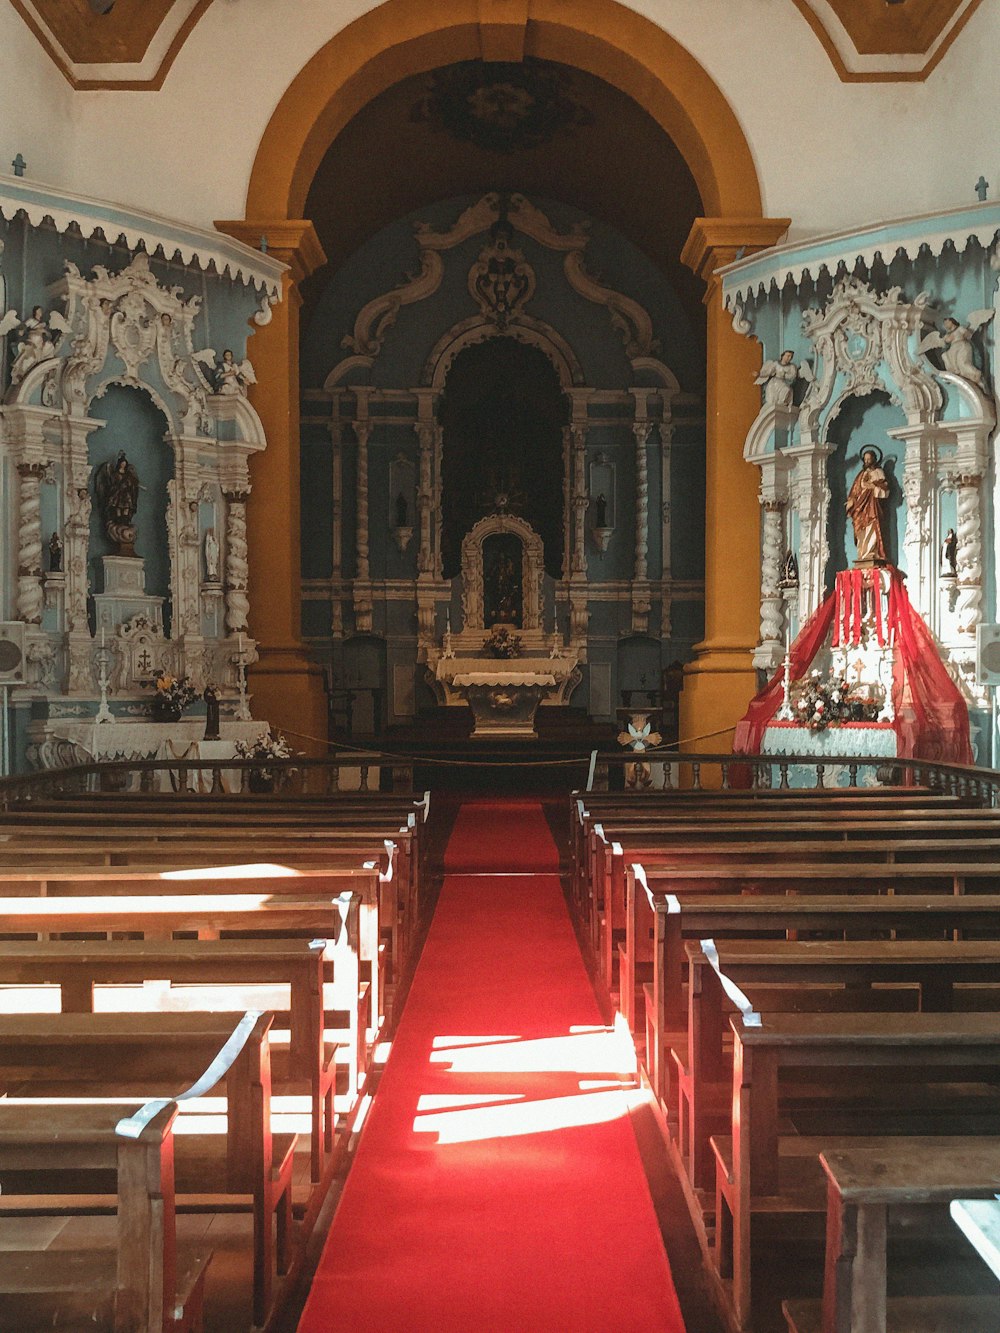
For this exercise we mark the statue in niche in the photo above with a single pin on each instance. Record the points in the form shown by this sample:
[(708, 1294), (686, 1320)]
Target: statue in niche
[(949, 555), (211, 556), (55, 554), (601, 511), (789, 571), (402, 510), (778, 378), (502, 581), (866, 508), (116, 486), (955, 345)]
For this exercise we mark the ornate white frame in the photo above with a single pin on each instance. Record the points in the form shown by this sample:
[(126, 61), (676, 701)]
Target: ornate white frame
[(532, 571)]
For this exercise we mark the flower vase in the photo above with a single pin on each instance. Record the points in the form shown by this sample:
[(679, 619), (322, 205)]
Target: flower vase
[(260, 780), (168, 714)]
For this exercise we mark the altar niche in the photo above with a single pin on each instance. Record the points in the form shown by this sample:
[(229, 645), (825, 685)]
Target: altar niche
[(503, 587), (502, 417)]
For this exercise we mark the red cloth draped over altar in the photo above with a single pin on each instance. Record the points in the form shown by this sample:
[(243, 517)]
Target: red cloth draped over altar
[(931, 717)]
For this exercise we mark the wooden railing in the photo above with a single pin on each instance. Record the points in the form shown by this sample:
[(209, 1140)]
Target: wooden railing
[(668, 770), (361, 772)]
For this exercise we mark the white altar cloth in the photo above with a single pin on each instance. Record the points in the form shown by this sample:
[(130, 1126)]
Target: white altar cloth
[(62, 742), (876, 740)]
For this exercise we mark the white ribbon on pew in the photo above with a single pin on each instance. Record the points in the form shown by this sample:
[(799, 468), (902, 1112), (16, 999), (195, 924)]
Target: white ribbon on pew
[(390, 847), (581, 813), (425, 805), (751, 1019), (599, 832), (132, 1126), (591, 770), (640, 878)]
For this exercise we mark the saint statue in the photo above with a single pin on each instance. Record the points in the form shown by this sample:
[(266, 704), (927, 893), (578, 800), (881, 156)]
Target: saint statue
[(949, 555), (211, 697), (211, 545), (55, 554), (866, 508), (117, 488)]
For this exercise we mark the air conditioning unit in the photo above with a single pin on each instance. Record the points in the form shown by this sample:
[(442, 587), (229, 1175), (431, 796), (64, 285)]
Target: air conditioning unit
[(988, 654)]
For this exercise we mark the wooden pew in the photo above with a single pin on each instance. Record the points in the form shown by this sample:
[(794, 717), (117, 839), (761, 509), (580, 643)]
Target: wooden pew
[(220, 974), (147, 1282), (335, 920), (393, 918), (103, 1055), (276, 881), (606, 893), (796, 976), (650, 885), (753, 1173), (862, 1185)]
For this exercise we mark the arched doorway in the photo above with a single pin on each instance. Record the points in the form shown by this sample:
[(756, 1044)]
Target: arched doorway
[(633, 55)]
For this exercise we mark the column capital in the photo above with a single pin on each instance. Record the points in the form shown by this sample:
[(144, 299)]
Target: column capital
[(291, 240), (714, 242)]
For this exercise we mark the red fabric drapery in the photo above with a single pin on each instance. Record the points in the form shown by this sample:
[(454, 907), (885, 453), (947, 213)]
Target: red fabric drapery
[(932, 720)]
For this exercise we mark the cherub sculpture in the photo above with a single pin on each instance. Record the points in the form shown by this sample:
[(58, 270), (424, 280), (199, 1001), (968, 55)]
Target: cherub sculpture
[(231, 376), (35, 338), (954, 341), (778, 378)]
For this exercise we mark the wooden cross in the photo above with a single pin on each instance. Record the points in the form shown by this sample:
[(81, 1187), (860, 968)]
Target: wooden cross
[(981, 186), (19, 165)]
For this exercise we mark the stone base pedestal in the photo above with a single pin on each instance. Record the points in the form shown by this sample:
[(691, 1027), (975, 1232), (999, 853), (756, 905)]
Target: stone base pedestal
[(504, 710), (124, 596)]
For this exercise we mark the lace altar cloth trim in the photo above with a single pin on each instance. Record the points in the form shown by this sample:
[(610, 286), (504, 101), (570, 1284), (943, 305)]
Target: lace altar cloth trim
[(849, 739)]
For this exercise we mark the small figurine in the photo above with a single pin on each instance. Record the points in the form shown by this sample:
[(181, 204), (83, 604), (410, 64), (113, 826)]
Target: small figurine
[(789, 571), (211, 698), (601, 511), (955, 345), (778, 378), (949, 555), (211, 556), (55, 554)]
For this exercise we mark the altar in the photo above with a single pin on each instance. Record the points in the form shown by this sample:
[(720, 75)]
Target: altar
[(63, 743), (504, 695)]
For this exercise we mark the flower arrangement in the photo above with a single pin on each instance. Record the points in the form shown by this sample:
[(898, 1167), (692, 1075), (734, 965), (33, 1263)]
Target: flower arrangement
[(501, 643), (821, 701), (265, 746), (263, 749), (173, 694)]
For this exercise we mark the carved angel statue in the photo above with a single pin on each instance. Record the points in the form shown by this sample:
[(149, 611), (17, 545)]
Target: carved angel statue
[(778, 378), (955, 345), (231, 376), (35, 338), (116, 485)]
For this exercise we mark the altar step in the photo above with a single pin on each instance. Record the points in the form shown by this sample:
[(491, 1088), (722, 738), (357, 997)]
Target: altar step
[(557, 760)]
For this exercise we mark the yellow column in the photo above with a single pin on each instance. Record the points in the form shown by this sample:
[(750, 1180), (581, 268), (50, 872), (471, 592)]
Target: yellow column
[(720, 682), (287, 686)]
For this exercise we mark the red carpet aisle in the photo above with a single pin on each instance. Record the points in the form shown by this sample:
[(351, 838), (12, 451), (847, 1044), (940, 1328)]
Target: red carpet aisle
[(498, 1184)]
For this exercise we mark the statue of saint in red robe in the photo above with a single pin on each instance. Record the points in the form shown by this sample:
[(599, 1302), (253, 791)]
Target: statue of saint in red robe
[(866, 507)]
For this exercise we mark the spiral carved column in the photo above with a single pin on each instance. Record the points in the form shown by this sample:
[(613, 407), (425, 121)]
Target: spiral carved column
[(30, 598), (970, 553), (771, 607), (237, 566), (425, 498)]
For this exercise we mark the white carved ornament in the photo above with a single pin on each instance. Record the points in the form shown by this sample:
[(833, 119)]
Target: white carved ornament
[(532, 569)]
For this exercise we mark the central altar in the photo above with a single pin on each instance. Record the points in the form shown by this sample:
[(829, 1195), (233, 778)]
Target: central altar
[(501, 663), (504, 695)]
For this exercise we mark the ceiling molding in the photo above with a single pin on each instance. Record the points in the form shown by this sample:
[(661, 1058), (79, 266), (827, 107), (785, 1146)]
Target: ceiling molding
[(134, 46), (131, 48), (869, 41)]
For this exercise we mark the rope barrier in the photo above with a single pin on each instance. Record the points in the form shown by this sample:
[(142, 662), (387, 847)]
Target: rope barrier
[(629, 756)]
